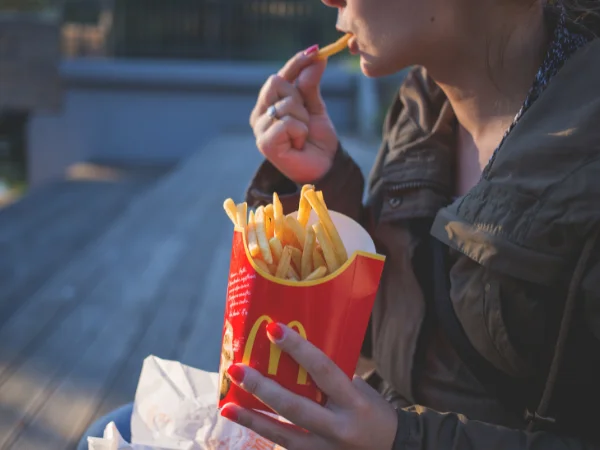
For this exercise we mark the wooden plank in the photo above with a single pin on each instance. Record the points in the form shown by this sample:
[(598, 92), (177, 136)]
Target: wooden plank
[(34, 208), (201, 348), (174, 319), (35, 254), (95, 333), (156, 230)]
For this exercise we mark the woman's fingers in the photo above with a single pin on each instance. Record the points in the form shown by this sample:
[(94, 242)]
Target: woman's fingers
[(286, 107), (283, 434), (280, 134), (294, 67), (328, 376), (306, 71), (299, 410), (290, 106), (275, 89)]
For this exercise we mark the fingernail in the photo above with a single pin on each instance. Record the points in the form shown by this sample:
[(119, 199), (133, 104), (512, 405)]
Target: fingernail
[(229, 413), (275, 330), (311, 50), (236, 373)]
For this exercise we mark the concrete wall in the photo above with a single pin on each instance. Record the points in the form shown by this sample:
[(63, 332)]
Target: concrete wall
[(151, 112)]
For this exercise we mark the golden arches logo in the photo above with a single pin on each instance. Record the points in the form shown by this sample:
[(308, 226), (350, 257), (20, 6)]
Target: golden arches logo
[(275, 352)]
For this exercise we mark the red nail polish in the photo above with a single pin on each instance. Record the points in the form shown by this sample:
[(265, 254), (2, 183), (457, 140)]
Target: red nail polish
[(275, 330), (311, 50), (236, 373), (229, 413)]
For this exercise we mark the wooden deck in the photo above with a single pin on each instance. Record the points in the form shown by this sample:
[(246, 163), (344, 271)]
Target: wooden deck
[(97, 275)]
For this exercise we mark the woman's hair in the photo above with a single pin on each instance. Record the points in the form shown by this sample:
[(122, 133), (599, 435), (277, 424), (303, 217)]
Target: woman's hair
[(584, 12)]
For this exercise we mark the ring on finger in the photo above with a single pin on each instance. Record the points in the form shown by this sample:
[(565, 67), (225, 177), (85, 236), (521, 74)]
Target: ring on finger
[(272, 112)]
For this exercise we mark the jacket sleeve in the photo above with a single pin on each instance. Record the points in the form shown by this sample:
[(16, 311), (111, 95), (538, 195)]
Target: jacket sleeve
[(423, 429), (342, 187)]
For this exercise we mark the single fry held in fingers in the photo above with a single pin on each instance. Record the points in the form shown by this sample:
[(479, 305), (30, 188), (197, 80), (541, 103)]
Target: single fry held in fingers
[(287, 247), (336, 47)]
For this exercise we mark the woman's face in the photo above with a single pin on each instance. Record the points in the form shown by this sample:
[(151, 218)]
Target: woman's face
[(390, 35)]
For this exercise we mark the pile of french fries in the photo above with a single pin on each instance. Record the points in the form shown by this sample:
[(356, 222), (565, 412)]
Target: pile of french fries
[(287, 247)]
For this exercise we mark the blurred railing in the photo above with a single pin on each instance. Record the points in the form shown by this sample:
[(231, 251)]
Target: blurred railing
[(250, 30)]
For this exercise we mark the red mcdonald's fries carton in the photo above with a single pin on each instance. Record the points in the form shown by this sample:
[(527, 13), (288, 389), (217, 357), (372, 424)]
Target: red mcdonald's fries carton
[(332, 312)]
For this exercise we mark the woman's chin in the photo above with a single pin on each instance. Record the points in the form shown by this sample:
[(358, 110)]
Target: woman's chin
[(370, 68)]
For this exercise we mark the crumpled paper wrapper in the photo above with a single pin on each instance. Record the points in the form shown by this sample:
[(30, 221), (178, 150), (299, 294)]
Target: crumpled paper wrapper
[(176, 409)]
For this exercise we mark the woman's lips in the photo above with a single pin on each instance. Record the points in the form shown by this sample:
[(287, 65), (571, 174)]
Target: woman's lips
[(353, 46)]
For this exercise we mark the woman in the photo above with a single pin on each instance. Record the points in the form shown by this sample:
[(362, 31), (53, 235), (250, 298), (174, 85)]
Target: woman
[(485, 197)]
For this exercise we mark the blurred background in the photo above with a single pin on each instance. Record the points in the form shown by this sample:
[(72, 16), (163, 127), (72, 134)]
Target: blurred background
[(123, 127)]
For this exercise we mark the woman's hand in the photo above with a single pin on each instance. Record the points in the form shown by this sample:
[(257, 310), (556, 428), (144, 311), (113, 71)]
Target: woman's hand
[(290, 121), (355, 417)]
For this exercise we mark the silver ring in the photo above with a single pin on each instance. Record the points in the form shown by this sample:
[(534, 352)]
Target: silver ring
[(272, 112)]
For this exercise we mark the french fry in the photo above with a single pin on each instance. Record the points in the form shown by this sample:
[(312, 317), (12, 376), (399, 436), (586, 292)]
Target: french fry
[(296, 258), (289, 238), (306, 264), (304, 207), (320, 195), (327, 246), (284, 263), (298, 229), (263, 266), (276, 249), (292, 274), (278, 216), (242, 215), (318, 259), (231, 210), (334, 48), (270, 220), (261, 235), (318, 273), (329, 226), (285, 246), (252, 238)]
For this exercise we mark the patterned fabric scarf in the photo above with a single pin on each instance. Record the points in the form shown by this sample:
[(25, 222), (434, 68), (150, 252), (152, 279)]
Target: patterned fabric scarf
[(565, 43)]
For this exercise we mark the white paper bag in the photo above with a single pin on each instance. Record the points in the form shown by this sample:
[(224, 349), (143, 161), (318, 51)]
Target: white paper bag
[(176, 409)]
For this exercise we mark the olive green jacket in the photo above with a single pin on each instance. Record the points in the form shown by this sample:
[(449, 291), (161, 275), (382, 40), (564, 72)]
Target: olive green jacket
[(515, 239)]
